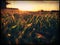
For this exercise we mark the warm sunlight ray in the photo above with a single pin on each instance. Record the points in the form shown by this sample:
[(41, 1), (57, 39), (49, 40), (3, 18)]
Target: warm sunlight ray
[(34, 5)]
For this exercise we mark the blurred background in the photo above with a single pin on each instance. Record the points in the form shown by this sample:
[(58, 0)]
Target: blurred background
[(29, 22)]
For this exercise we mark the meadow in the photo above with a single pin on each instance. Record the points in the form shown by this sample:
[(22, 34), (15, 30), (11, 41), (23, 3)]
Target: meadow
[(30, 28)]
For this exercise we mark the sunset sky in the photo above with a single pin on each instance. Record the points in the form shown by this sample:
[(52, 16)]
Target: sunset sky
[(34, 5)]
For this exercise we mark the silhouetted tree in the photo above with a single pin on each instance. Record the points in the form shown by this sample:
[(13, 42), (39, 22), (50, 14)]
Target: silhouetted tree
[(3, 4)]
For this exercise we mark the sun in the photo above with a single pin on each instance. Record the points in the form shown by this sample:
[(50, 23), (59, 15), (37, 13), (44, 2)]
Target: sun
[(26, 7)]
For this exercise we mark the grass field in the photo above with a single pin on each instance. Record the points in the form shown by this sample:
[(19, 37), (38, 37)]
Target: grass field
[(30, 28)]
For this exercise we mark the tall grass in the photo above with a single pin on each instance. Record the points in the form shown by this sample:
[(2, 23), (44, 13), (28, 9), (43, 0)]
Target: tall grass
[(18, 26)]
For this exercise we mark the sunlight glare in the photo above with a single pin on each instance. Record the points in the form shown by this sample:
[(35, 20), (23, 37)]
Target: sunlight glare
[(34, 5)]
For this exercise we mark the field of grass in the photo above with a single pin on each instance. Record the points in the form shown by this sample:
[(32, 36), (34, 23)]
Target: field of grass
[(20, 29)]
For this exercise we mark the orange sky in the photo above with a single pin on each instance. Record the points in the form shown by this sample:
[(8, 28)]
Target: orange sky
[(34, 5)]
